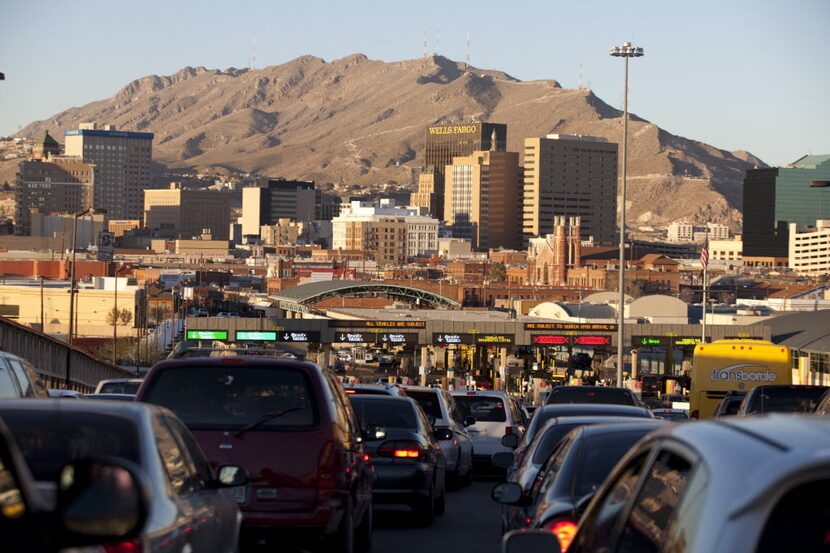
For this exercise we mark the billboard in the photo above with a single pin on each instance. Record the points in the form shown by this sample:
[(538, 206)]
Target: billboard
[(106, 245)]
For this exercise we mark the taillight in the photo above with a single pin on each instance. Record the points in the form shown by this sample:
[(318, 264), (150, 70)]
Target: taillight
[(508, 430), (130, 546), (327, 467), (401, 449), (564, 530)]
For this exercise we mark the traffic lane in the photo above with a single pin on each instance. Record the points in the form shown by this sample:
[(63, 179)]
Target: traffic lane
[(471, 524)]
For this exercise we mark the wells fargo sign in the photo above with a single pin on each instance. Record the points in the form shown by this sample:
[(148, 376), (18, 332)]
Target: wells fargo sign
[(454, 129)]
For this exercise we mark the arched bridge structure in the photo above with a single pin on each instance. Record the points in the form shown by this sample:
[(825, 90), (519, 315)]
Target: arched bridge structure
[(301, 298)]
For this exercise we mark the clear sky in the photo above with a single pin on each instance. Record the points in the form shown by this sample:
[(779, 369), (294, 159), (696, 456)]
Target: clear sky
[(736, 74)]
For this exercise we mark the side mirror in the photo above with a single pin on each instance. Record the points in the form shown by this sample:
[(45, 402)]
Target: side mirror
[(373, 433), (503, 459), (469, 421), (530, 541), (582, 504), (507, 493), (100, 501), (231, 476), (443, 434), (510, 440)]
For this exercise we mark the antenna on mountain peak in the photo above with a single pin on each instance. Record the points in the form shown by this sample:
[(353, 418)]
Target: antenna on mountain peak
[(252, 60), (468, 50), (426, 48), (437, 39)]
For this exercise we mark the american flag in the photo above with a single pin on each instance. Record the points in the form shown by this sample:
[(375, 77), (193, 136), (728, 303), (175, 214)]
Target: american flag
[(704, 257)]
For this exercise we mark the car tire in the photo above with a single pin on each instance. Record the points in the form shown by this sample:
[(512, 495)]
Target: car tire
[(363, 534), (342, 541), (425, 510)]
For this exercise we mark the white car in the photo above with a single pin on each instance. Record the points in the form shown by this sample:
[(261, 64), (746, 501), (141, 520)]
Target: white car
[(496, 415), (119, 386), (439, 406)]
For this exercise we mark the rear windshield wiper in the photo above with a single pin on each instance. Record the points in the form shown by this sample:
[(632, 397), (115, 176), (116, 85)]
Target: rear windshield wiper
[(266, 418)]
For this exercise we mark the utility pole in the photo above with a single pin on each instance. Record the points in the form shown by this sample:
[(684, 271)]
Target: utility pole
[(42, 320)]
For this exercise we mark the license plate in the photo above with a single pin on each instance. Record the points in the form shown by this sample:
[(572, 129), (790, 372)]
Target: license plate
[(237, 493)]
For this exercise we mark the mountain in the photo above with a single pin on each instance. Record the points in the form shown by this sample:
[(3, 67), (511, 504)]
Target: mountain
[(362, 122)]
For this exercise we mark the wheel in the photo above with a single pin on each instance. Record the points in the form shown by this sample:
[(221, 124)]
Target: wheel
[(425, 510), (342, 541), (441, 502), (363, 534)]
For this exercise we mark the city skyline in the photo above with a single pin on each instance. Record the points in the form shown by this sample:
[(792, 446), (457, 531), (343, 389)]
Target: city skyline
[(752, 83)]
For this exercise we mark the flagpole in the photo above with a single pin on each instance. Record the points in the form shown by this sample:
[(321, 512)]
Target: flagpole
[(704, 259)]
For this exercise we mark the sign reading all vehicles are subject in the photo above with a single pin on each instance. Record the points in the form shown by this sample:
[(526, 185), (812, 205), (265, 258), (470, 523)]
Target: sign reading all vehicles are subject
[(384, 325), (581, 327)]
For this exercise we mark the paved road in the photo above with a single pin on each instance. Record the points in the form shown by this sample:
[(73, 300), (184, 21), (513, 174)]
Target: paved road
[(470, 525)]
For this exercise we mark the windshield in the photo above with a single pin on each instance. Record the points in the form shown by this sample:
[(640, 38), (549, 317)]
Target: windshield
[(236, 397), (599, 455), (796, 399), (483, 408), (119, 388), (386, 413), (614, 396), (49, 440), (428, 401)]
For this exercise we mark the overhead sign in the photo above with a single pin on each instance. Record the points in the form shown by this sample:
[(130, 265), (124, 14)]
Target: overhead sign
[(265, 336), (686, 340), (494, 339), (647, 341), (592, 340), (397, 338), (354, 337), (582, 327), (377, 324), (207, 335), (443, 339), (303, 336), (551, 340)]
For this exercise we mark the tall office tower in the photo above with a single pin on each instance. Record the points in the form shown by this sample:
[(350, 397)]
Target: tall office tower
[(443, 143), (122, 166), (482, 194), (51, 183), (573, 176), (777, 196), (268, 202), (188, 212)]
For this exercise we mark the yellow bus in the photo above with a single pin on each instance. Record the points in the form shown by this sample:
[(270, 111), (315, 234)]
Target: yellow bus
[(734, 366)]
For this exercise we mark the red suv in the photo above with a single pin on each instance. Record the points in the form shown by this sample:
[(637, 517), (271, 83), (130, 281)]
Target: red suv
[(291, 426)]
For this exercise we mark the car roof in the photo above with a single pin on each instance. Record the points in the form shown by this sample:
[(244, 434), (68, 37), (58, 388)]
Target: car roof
[(127, 409), (587, 387), (587, 408), (595, 420), (232, 360), (380, 397), (492, 393), (621, 424), (119, 380)]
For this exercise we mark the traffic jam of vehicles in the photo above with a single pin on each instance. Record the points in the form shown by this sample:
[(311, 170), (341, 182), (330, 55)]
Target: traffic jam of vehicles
[(237, 450)]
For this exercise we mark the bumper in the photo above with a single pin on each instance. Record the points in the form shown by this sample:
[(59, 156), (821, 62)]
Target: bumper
[(322, 520), (402, 483)]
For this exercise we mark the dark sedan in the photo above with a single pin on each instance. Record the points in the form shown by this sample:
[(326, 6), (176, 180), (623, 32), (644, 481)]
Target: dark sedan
[(187, 508), (536, 455), (410, 467), (572, 474)]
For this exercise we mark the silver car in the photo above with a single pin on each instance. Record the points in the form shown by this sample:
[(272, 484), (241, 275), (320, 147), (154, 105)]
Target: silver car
[(758, 484), (187, 511)]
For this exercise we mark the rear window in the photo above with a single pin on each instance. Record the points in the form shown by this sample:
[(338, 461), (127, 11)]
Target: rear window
[(671, 416), (787, 400), (613, 396), (599, 455), (119, 388), (388, 414), (428, 402), (483, 408), (368, 391), (49, 440), (235, 397)]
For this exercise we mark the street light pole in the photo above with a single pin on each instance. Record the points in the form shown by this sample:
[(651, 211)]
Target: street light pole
[(625, 51), (72, 276)]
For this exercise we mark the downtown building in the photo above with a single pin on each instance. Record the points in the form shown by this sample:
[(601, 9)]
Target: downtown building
[(268, 202), (388, 233), (188, 213), (122, 166), (482, 199), (50, 183), (775, 198), (443, 144), (570, 176)]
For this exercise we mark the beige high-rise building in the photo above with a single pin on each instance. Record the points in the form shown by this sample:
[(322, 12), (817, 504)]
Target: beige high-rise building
[(122, 166), (572, 176), (482, 198), (52, 185), (188, 212)]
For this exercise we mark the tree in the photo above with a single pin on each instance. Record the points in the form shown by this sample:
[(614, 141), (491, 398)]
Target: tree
[(498, 272), (159, 312), (121, 317)]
